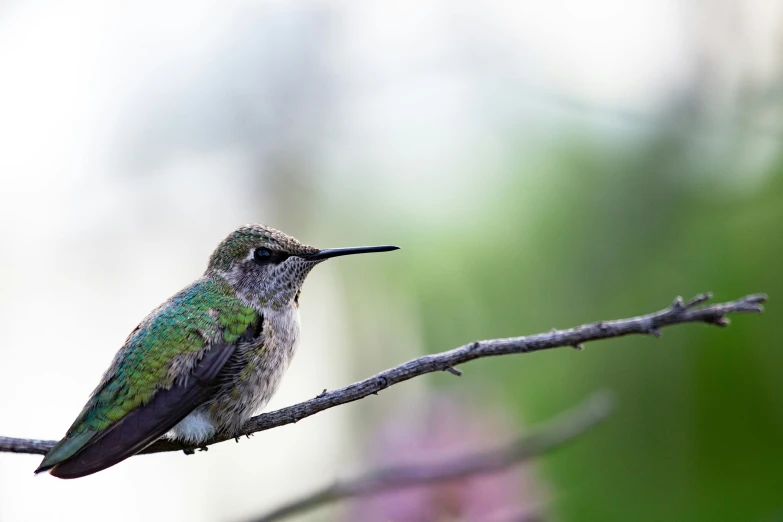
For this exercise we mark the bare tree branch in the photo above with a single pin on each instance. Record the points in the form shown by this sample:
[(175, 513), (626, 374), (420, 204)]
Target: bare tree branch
[(551, 435), (679, 312)]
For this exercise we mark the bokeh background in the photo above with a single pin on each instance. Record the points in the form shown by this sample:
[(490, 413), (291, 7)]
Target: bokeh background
[(541, 164)]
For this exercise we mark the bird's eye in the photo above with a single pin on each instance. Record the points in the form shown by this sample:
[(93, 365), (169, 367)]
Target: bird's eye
[(262, 256)]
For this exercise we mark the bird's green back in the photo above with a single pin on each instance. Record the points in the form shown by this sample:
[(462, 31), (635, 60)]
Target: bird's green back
[(156, 354)]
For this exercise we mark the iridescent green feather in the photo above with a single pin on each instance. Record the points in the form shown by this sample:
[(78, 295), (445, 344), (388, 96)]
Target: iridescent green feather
[(207, 308)]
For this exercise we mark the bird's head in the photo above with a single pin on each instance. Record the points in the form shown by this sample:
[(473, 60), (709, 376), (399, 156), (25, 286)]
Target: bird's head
[(268, 267)]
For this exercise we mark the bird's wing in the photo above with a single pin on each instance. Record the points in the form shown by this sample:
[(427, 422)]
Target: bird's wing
[(169, 365)]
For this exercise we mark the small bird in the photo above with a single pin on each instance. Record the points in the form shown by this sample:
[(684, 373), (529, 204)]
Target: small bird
[(203, 362)]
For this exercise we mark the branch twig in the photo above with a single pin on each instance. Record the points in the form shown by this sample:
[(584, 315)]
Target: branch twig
[(679, 312), (551, 435)]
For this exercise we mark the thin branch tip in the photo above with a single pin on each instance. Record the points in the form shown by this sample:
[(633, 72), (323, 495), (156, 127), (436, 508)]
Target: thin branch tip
[(754, 301), (697, 300), (453, 371)]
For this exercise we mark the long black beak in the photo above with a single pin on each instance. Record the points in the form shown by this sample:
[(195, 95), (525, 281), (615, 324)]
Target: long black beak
[(335, 252)]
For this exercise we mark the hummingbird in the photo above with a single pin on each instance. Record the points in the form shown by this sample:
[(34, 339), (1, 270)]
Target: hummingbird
[(203, 362)]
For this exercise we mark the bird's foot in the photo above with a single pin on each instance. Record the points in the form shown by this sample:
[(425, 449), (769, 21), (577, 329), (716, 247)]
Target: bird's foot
[(188, 451)]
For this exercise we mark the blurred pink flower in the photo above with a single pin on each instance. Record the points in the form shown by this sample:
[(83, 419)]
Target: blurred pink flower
[(446, 430)]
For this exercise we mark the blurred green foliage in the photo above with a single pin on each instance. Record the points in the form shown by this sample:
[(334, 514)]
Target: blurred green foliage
[(599, 234)]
